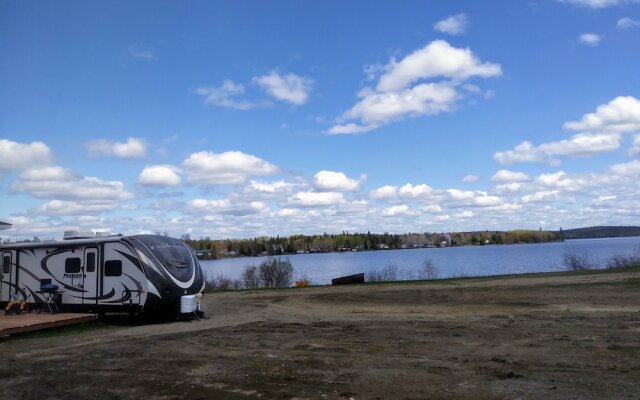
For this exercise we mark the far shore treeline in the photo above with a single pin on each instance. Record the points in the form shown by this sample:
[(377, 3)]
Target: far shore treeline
[(207, 248)]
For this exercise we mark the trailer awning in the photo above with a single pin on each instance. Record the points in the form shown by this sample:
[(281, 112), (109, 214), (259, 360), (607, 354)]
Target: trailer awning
[(5, 225)]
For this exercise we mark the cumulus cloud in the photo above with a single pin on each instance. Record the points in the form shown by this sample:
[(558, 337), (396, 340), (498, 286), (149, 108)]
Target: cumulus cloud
[(223, 95), (620, 115), (561, 180), (231, 167), (579, 145), (386, 192), (377, 108), (598, 3), (590, 39), (226, 207), (470, 178), (626, 23), (453, 25), (62, 184), (314, 199), (65, 208), (132, 148), (269, 187), (631, 168), (437, 59), (15, 156), (290, 87), (413, 191), (399, 94), (160, 176), (542, 196), (635, 149), (509, 176), (600, 132), (393, 211), (332, 181)]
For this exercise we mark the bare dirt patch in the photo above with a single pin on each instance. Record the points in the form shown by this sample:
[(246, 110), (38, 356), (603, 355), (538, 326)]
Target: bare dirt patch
[(557, 337)]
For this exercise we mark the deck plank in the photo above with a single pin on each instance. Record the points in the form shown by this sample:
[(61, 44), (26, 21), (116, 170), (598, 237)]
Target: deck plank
[(12, 324)]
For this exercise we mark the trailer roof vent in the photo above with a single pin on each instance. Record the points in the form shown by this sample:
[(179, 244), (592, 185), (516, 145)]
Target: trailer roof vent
[(69, 235)]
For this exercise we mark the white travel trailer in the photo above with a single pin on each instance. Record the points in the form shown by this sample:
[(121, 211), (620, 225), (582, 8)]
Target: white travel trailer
[(140, 273)]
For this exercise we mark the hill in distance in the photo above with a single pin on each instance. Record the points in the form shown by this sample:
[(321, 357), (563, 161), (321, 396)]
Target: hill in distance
[(593, 232)]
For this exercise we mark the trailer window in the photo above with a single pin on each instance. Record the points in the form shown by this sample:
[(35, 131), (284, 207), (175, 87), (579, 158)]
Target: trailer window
[(6, 264), (72, 265), (113, 268), (91, 262)]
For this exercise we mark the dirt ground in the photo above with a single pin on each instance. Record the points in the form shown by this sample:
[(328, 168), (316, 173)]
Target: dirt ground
[(571, 336)]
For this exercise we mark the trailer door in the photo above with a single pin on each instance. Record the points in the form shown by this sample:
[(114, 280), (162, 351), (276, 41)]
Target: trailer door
[(7, 275), (90, 276)]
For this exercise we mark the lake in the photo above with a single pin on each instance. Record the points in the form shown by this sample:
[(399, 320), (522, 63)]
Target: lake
[(320, 268)]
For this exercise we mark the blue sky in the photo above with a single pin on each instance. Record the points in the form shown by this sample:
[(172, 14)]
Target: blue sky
[(245, 118)]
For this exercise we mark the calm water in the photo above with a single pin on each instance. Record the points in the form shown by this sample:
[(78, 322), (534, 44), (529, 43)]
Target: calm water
[(450, 261)]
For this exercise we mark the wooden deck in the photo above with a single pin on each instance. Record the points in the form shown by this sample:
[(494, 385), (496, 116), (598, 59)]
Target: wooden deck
[(12, 324)]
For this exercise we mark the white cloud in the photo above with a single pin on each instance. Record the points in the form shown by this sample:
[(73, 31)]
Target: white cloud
[(579, 145), (598, 3), (453, 25), (510, 187), (223, 95), (602, 200), (561, 180), (509, 176), (460, 195), (231, 167), (635, 149), (626, 23), (631, 168), (395, 211), (290, 87), (350, 128), (376, 108), (541, 196), (331, 181), (600, 132), (62, 208), (226, 207), (397, 95), (272, 187), (488, 201), (16, 156), (410, 191), (470, 178), (160, 175), (524, 152), (437, 59), (590, 39), (620, 115), (386, 192), (61, 184), (314, 199), (132, 148)]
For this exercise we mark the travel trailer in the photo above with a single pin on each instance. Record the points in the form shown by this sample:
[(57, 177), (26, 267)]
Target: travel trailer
[(98, 274)]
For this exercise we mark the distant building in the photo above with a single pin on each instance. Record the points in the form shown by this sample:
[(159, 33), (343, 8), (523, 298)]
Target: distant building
[(383, 246)]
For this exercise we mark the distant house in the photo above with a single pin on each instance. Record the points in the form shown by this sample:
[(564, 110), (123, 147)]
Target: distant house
[(383, 246), (445, 240)]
